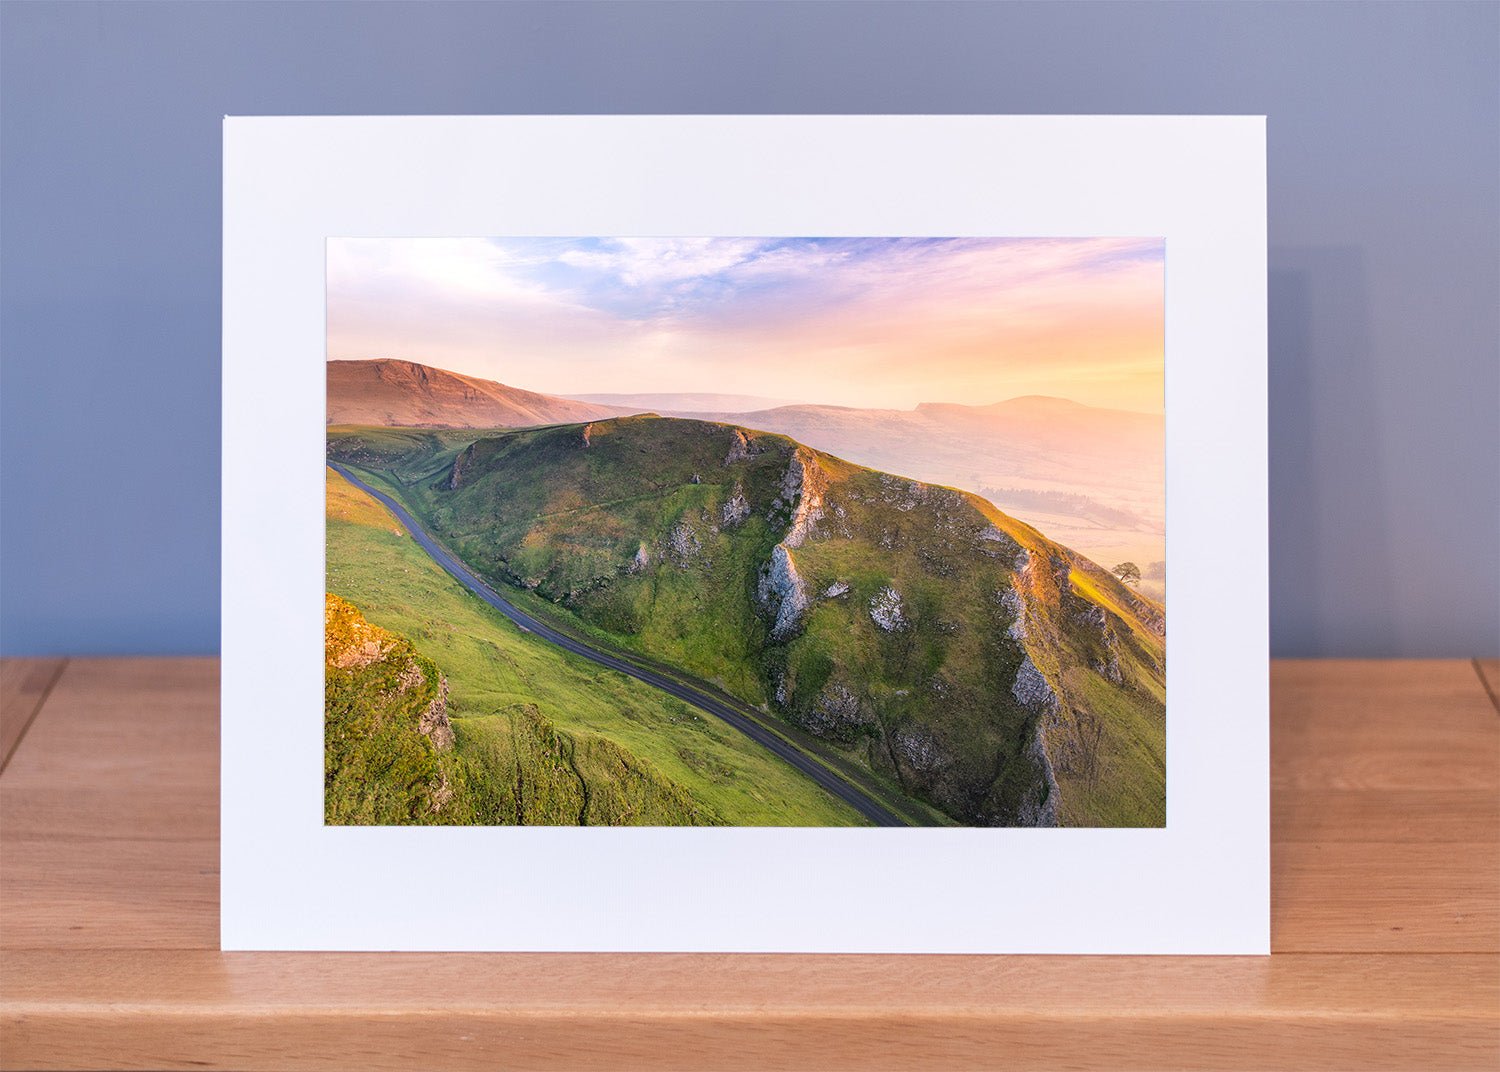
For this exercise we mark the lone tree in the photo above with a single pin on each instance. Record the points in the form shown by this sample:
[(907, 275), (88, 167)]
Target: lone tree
[(1128, 572)]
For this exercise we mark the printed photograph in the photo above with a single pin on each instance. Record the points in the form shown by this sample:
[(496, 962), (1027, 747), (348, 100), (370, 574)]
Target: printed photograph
[(745, 532)]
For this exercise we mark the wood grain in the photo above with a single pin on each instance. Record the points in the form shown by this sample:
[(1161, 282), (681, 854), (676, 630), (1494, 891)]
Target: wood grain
[(1489, 675), (112, 811), (1382, 725), (1386, 879), (389, 1011), (23, 684)]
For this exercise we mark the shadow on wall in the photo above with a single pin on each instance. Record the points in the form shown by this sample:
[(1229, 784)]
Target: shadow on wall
[(1328, 592)]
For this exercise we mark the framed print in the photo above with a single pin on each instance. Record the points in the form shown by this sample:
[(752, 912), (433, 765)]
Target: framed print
[(745, 534)]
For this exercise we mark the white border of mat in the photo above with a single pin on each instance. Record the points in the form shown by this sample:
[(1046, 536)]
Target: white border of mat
[(1201, 885)]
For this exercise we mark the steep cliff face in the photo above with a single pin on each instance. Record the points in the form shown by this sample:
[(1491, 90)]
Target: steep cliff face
[(948, 648), (782, 592), (802, 488)]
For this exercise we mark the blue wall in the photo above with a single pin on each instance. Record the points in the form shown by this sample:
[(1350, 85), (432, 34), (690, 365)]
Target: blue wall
[(1384, 223)]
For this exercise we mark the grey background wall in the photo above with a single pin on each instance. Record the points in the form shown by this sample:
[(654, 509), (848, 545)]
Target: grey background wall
[(1384, 227)]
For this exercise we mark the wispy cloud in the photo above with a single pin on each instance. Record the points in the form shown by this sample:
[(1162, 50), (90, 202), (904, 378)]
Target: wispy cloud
[(871, 321)]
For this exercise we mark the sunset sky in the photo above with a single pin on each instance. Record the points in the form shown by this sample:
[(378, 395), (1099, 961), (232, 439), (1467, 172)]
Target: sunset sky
[(885, 322)]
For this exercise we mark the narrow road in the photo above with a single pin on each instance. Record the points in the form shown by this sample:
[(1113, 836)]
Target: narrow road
[(778, 746)]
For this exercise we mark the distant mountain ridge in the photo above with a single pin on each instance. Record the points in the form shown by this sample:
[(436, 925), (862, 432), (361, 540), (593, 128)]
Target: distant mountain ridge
[(664, 401), (394, 393), (1089, 476)]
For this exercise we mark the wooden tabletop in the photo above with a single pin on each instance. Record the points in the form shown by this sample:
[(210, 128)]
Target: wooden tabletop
[(1386, 887)]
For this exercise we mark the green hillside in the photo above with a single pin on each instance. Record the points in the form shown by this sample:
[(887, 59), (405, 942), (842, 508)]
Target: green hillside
[(539, 736), (938, 644)]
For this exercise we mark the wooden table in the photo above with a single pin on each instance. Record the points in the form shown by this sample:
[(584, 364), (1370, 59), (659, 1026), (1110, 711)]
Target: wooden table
[(1386, 860)]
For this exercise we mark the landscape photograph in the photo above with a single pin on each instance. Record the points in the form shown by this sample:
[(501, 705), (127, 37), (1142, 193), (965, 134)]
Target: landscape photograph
[(727, 531)]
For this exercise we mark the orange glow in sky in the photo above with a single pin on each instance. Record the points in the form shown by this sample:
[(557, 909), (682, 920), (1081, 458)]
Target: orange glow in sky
[(877, 322)]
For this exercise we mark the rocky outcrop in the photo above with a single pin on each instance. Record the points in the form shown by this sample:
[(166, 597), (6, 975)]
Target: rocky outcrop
[(1150, 614), (350, 642), (433, 721), (1039, 805), (739, 448), (1109, 666), (683, 543), (996, 544), (641, 560), (735, 509), (1032, 690), (1015, 606), (905, 495), (887, 609), (1086, 614), (916, 747), (460, 464), (782, 593), (781, 589), (836, 589), (1098, 623), (837, 713), (802, 488)]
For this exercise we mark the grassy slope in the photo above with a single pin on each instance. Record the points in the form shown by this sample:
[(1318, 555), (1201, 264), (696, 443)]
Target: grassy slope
[(380, 769), (571, 538), (1130, 788), (508, 688)]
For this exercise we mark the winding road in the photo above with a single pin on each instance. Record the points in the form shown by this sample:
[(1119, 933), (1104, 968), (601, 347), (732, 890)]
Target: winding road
[(778, 746)]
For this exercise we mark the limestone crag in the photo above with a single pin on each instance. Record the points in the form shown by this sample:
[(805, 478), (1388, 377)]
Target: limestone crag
[(641, 560), (781, 589), (1010, 598), (782, 593), (739, 448), (917, 748), (997, 544), (887, 610), (1039, 806), (433, 722), (802, 488), (735, 509), (1032, 690), (838, 714), (350, 642), (683, 543)]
